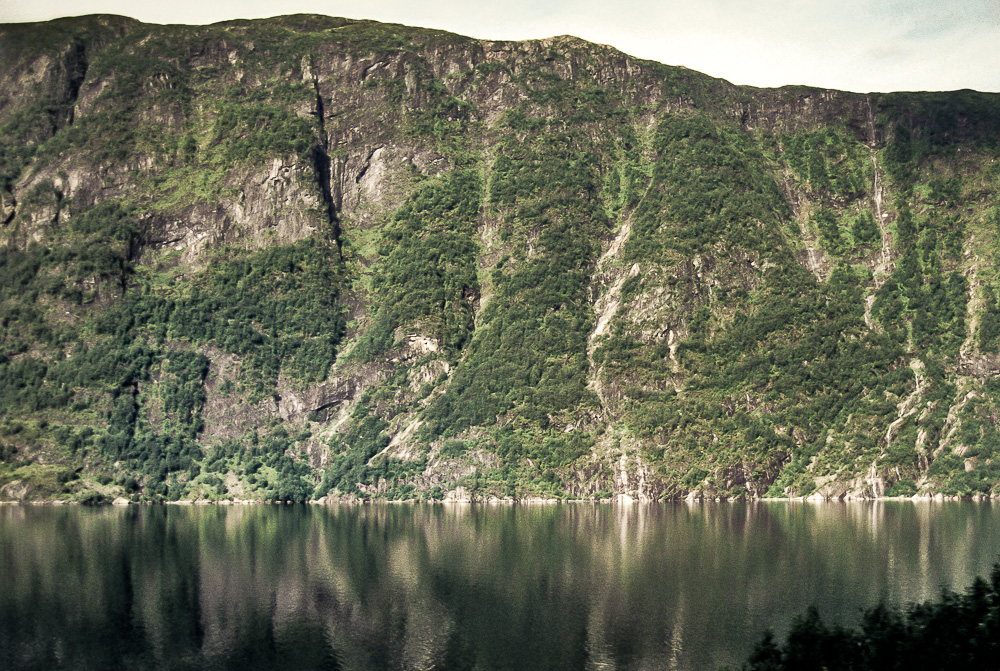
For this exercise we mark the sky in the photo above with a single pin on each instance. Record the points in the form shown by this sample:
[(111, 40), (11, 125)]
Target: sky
[(854, 45)]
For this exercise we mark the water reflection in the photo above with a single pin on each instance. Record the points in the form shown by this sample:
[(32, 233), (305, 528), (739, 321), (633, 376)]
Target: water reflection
[(680, 586)]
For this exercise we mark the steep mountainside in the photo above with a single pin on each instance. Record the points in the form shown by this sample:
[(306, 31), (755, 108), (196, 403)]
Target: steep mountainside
[(309, 256)]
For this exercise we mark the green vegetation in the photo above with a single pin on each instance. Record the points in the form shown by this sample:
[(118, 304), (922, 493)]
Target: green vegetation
[(959, 629), (428, 269), (710, 188), (262, 464), (830, 162), (527, 356), (195, 225), (353, 467), (277, 309)]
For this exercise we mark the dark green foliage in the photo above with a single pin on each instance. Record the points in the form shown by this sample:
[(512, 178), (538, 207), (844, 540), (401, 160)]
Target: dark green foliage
[(365, 439), (66, 45), (905, 225), (829, 161), (21, 137), (829, 229), (442, 116), (428, 266), (989, 322), (529, 352), (864, 230), (277, 308), (265, 463), (806, 370), (29, 40), (959, 630), (136, 74), (255, 132), (453, 448), (918, 292), (93, 259), (810, 356), (945, 191), (108, 221), (709, 188), (899, 154), (843, 235), (184, 393), (976, 471), (902, 488)]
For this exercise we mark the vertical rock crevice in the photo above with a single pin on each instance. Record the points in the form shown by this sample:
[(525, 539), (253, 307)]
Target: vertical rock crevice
[(320, 156), (77, 65), (8, 207)]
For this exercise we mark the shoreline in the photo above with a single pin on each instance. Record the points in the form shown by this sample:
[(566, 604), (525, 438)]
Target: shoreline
[(621, 500)]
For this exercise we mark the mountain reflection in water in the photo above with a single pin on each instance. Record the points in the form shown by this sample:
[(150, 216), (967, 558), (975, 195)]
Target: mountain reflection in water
[(572, 586)]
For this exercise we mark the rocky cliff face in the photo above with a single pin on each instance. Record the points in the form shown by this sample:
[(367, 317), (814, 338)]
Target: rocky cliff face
[(311, 256)]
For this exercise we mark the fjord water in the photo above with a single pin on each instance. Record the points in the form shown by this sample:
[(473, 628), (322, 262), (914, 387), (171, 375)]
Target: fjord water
[(574, 586)]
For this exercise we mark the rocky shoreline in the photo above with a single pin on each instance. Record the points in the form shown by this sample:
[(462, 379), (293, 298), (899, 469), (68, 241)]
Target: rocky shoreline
[(617, 500)]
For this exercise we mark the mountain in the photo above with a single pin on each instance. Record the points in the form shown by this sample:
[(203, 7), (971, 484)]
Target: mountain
[(309, 257)]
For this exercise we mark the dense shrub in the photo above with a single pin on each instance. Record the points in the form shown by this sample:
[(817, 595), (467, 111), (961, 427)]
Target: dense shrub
[(959, 630)]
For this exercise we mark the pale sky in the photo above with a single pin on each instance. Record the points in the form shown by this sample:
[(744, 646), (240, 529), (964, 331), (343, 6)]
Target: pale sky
[(855, 45)]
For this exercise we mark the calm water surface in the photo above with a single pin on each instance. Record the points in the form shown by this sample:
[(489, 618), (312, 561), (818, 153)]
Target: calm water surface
[(574, 586)]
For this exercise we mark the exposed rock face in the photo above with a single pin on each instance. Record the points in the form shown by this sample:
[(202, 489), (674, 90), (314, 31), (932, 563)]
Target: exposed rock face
[(308, 254), (15, 490)]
